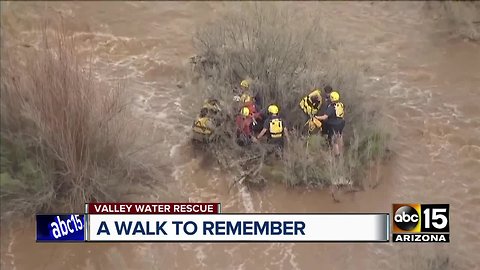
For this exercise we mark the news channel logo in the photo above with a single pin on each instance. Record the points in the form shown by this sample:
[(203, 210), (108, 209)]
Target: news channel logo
[(421, 223), (60, 228)]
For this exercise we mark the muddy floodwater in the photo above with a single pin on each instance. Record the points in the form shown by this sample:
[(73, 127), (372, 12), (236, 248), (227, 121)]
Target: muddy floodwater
[(429, 81)]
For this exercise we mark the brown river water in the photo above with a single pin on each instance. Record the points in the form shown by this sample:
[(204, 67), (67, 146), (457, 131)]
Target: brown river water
[(428, 80)]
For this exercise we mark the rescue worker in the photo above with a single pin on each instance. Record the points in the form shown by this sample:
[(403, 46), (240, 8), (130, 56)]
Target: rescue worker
[(323, 108), (275, 127), (212, 105), (246, 95), (203, 127), (325, 99), (244, 122), (311, 103), (214, 110), (258, 116), (244, 91), (247, 101), (335, 122)]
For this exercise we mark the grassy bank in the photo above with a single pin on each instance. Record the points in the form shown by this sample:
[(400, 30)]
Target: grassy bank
[(286, 54), (66, 139)]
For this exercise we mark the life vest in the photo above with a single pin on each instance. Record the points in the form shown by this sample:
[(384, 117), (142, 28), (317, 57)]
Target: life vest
[(339, 109), (276, 128), (307, 105), (313, 123), (201, 126)]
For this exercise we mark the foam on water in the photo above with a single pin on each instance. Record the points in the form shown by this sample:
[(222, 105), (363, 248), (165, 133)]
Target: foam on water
[(174, 149), (200, 255), (246, 199), (10, 253)]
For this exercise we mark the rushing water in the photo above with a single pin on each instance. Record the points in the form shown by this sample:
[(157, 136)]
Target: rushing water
[(429, 82)]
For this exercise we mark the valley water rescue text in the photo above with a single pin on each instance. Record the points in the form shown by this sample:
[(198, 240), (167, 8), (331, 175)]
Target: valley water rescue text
[(154, 208), (126, 228)]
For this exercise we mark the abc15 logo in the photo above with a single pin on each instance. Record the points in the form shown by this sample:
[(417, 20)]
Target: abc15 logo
[(421, 218)]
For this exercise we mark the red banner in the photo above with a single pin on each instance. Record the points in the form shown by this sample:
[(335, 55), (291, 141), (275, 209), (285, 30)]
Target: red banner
[(153, 208)]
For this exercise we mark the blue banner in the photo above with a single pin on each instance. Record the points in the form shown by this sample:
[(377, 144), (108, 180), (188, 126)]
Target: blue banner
[(62, 227)]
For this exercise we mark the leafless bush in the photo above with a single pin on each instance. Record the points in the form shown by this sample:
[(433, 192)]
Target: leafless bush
[(286, 54), (266, 44), (462, 17), (65, 139)]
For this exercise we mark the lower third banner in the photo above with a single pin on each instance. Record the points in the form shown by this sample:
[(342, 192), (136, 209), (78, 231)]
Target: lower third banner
[(239, 228)]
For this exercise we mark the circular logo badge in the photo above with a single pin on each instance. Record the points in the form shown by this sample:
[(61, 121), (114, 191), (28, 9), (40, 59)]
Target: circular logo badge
[(406, 218)]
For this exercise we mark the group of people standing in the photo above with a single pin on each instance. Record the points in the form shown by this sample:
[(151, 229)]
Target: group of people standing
[(322, 109), (254, 122)]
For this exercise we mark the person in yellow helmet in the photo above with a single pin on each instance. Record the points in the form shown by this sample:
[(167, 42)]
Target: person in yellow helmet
[(203, 127), (325, 101), (252, 102), (335, 122), (244, 95), (311, 103), (212, 105), (245, 123), (275, 127), (244, 84)]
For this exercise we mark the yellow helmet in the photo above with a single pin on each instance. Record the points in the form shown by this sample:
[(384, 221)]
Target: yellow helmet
[(334, 96), (245, 111), (273, 109), (245, 98), (245, 84)]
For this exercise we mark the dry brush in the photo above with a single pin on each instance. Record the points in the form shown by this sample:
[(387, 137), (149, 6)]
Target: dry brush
[(286, 54), (66, 138)]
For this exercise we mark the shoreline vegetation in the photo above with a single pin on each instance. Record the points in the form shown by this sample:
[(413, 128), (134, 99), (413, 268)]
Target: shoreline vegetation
[(286, 56), (66, 139)]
